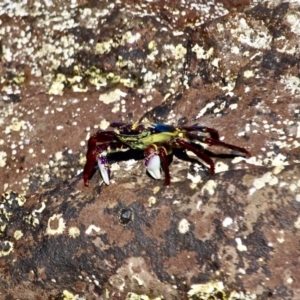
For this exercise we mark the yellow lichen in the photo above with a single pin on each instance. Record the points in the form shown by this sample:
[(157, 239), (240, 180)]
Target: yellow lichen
[(74, 232), (60, 225), (18, 234), (6, 248)]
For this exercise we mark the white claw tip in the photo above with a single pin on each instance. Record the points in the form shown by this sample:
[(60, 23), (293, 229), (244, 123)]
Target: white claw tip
[(153, 166), (104, 169)]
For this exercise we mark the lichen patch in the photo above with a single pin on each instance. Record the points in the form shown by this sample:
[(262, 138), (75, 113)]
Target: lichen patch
[(92, 228), (210, 187), (3, 157), (56, 225), (293, 19), (18, 234), (292, 84), (112, 96), (6, 248), (240, 246), (74, 232), (221, 167), (256, 35), (207, 290), (267, 178), (183, 226)]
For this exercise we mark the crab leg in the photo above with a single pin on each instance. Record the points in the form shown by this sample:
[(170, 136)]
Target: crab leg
[(97, 146), (214, 142), (92, 157), (89, 166), (212, 132), (199, 153), (164, 159)]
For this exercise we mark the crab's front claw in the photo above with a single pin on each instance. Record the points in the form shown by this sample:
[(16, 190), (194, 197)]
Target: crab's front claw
[(152, 164), (104, 168)]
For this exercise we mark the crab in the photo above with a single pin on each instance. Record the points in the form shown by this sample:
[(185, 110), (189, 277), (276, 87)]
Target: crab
[(156, 142)]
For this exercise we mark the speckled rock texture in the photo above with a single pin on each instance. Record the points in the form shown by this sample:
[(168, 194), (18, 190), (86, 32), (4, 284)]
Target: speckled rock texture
[(68, 70)]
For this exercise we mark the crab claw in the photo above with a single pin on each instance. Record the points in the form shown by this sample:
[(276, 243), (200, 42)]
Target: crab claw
[(152, 164), (104, 168)]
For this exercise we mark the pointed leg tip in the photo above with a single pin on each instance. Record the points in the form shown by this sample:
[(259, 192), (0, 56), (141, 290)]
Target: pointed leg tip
[(86, 180), (167, 182), (245, 154)]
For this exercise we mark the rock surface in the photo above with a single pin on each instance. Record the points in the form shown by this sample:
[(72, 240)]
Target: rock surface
[(68, 70)]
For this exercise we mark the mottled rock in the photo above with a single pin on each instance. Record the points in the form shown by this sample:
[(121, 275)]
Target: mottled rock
[(70, 69), (240, 230)]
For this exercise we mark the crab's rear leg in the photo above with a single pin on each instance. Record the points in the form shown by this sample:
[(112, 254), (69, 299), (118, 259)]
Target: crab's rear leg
[(155, 157), (213, 142), (212, 132), (198, 152), (193, 137)]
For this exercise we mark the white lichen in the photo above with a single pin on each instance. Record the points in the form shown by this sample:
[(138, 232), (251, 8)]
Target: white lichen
[(3, 157), (112, 96), (7, 247), (209, 187), (240, 246), (183, 226), (92, 228)]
